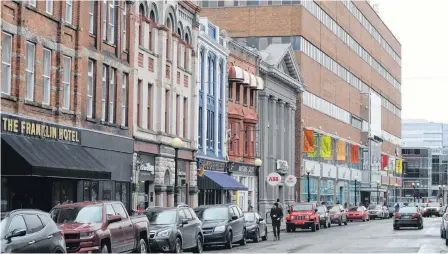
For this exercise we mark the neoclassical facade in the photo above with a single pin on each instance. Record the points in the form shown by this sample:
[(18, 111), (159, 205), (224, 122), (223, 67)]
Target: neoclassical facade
[(164, 104), (276, 110)]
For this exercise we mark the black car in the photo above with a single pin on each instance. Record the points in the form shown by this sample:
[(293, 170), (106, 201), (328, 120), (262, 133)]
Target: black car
[(325, 219), (174, 229), (222, 224), (256, 227), (408, 217), (30, 231)]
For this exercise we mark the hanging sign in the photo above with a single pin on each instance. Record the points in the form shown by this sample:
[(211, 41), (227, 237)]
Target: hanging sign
[(290, 180), (274, 179)]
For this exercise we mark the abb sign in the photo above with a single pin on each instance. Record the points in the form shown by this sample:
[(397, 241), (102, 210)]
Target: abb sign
[(274, 179)]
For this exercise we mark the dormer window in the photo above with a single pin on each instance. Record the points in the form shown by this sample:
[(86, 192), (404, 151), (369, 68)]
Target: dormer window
[(212, 31)]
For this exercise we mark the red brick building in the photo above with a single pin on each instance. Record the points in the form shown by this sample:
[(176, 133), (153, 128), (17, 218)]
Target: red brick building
[(67, 75)]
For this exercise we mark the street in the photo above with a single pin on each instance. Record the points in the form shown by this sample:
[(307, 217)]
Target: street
[(357, 237)]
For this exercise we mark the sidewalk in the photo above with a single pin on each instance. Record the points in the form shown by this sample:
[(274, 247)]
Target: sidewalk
[(271, 230)]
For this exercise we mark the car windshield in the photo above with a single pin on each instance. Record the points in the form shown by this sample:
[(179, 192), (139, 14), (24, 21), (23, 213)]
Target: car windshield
[(374, 207), (161, 217), (356, 209), (213, 213), (320, 209), (302, 207), (433, 205), (408, 210), (86, 214), (249, 216)]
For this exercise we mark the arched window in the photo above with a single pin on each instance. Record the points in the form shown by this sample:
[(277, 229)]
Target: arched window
[(152, 24), (141, 15), (201, 71), (179, 46), (167, 178), (187, 44), (169, 24)]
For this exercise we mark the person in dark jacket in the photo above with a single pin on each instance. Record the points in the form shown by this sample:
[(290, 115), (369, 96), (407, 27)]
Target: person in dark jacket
[(276, 217)]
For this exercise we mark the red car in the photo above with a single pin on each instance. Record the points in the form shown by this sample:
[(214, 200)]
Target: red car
[(338, 214), (304, 216), (357, 213)]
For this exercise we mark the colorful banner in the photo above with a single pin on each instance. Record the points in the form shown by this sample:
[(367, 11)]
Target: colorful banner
[(354, 151), (314, 153), (308, 141), (325, 148), (399, 167), (341, 153), (384, 161)]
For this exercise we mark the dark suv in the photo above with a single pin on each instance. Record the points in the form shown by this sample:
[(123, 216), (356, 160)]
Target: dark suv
[(174, 229), (222, 224)]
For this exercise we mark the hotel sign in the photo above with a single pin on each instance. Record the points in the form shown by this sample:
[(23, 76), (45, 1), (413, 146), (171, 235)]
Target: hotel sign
[(37, 129), (212, 165)]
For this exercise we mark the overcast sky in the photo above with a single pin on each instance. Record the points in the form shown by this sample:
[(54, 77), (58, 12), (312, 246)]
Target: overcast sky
[(421, 28)]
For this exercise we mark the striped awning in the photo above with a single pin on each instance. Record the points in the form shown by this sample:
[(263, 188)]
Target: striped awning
[(236, 74), (253, 81), (260, 83), (246, 80)]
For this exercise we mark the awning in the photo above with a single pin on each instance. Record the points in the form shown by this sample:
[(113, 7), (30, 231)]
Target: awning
[(246, 80), (50, 158), (260, 83), (235, 74), (253, 81), (218, 181)]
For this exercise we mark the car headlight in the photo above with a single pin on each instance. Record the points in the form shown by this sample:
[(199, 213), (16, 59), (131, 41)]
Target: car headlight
[(86, 235), (164, 233), (220, 229)]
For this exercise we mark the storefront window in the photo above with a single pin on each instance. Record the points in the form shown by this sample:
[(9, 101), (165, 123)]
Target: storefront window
[(352, 194), (90, 190), (64, 192), (4, 194), (313, 189), (121, 193), (327, 191), (342, 194), (107, 190)]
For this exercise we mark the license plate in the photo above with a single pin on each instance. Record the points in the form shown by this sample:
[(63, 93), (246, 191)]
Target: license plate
[(300, 222), (406, 217)]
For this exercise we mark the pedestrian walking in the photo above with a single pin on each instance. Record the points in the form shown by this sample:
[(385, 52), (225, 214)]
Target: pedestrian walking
[(276, 218)]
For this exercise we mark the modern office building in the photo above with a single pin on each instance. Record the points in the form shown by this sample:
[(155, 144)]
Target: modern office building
[(351, 64), (417, 174)]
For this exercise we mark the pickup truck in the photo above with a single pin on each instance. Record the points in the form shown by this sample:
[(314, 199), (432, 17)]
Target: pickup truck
[(103, 226)]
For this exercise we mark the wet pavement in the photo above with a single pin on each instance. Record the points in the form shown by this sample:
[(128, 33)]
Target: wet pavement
[(357, 237)]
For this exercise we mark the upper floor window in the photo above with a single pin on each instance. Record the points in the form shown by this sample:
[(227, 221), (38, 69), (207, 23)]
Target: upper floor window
[(201, 70), (230, 90), (124, 101), (237, 93), (152, 20), (32, 2), (30, 57), (90, 86), (104, 19), (67, 68), (124, 13), (46, 76), (252, 95), (68, 11), (6, 62), (170, 25), (49, 6), (112, 21), (245, 89), (186, 58), (91, 16), (141, 15)]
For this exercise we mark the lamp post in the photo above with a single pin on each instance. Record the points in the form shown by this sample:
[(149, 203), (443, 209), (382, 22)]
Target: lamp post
[(418, 192), (176, 143), (396, 192), (413, 186), (258, 164), (443, 194), (378, 192), (308, 171), (356, 182)]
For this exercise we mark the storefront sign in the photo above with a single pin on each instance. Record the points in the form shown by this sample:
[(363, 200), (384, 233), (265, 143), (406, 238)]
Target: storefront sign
[(343, 173), (282, 165), (37, 129), (212, 165), (291, 180), (243, 168), (314, 166), (274, 179)]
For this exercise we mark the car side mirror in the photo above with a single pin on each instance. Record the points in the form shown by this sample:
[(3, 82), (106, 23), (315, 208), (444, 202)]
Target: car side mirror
[(261, 219), (16, 233), (113, 218), (234, 217), (184, 222)]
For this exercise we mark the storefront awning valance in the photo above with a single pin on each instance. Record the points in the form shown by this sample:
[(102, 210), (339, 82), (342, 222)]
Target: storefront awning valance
[(253, 81), (219, 181), (51, 159), (236, 74), (260, 83)]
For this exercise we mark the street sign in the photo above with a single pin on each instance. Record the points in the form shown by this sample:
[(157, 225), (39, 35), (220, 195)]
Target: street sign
[(274, 179), (290, 180)]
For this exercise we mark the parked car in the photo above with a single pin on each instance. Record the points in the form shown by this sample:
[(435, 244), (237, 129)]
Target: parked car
[(222, 224), (442, 211), (256, 227), (103, 226), (174, 229), (338, 215), (376, 211), (358, 213), (325, 219), (408, 217), (304, 216), (30, 231), (432, 209), (444, 224)]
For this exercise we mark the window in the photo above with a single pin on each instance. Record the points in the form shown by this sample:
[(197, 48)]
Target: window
[(30, 55), (119, 209), (104, 11), (139, 98), (110, 210), (252, 95), (17, 223), (237, 138), (230, 90), (148, 108), (246, 141), (219, 132), (34, 224), (232, 138), (32, 3), (112, 21), (66, 82), (245, 95), (252, 140), (177, 114), (207, 141), (121, 193), (185, 117), (103, 93), (91, 16), (212, 130), (90, 84), (152, 20), (237, 94), (140, 27), (167, 103), (46, 76), (200, 126), (124, 25), (68, 11), (124, 99), (90, 190), (111, 95), (6, 62), (201, 71), (49, 6)]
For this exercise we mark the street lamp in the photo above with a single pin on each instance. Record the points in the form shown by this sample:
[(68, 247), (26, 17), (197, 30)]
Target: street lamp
[(443, 194), (396, 192), (258, 164), (308, 171), (356, 180), (378, 192), (413, 186), (176, 143)]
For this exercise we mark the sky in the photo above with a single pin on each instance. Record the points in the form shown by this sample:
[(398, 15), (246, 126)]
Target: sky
[(421, 28)]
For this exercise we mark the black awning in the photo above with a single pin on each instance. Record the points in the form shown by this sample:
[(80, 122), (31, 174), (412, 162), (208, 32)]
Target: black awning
[(51, 159), (218, 181)]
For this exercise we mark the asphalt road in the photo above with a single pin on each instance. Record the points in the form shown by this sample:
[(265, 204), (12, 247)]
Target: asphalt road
[(357, 237)]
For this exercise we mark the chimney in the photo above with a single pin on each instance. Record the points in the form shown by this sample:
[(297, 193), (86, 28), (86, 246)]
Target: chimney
[(376, 8)]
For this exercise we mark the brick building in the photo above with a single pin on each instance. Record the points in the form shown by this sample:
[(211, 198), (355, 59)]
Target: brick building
[(67, 73), (349, 61)]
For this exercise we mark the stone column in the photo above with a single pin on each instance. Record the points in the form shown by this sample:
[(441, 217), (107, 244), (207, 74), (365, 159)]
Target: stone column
[(217, 86), (204, 101), (273, 140), (281, 129), (292, 146), (263, 123)]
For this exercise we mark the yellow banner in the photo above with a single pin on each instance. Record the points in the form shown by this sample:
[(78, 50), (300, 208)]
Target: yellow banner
[(325, 148), (341, 154), (399, 166)]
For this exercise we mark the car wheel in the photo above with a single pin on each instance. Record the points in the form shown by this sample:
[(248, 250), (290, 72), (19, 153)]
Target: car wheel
[(243, 241), (313, 227), (442, 234), (178, 245), (446, 242), (142, 246), (104, 249), (257, 236), (265, 237), (199, 246), (229, 243), (340, 222), (288, 229), (345, 222), (318, 226), (396, 228)]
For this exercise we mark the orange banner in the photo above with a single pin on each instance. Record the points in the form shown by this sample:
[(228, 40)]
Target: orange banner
[(354, 154), (308, 141), (341, 154)]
